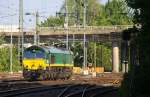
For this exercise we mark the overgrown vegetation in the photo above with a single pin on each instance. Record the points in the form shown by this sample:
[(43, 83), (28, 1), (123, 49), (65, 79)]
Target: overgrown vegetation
[(52, 22), (5, 59), (102, 51), (137, 81), (103, 55), (114, 12)]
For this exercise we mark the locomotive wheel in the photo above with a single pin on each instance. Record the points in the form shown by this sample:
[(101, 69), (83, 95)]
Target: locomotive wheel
[(55, 76), (52, 76), (47, 75), (42, 75), (61, 76), (27, 74)]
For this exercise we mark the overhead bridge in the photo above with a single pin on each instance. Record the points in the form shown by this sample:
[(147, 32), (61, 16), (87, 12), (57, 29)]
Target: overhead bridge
[(62, 31), (100, 33), (93, 33), (82, 30)]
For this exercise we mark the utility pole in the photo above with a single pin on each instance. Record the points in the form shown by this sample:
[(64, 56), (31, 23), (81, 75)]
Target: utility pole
[(21, 41), (84, 25), (11, 44), (77, 13), (36, 35), (95, 56), (101, 55), (66, 23)]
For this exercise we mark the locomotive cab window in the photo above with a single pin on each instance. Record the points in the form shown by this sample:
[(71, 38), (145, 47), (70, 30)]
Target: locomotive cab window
[(34, 53), (40, 54), (28, 54)]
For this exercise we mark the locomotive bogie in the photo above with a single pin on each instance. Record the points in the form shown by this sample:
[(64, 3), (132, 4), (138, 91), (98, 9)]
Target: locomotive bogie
[(51, 74)]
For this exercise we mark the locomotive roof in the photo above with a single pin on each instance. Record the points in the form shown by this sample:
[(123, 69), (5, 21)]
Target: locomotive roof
[(50, 49)]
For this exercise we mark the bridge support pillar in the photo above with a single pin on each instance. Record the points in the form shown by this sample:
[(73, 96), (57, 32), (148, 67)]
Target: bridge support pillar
[(125, 56), (115, 55)]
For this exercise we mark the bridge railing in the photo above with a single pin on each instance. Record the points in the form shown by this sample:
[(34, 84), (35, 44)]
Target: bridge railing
[(14, 29), (88, 27), (72, 30)]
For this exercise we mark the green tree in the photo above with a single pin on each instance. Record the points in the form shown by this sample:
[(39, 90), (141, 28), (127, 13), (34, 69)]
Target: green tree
[(78, 54), (5, 59), (140, 73), (115, 12), (75, 10), (52, 22), (103, 55), (2, 40)]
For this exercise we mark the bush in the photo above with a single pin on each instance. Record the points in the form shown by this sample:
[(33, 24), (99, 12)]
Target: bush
[(5, 59)]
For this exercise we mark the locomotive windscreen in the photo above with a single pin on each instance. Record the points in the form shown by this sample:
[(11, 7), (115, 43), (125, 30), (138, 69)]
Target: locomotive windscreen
[(34, 53)]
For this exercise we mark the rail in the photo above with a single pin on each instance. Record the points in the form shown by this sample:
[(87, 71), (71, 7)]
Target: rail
[(76, 90), (94, 92), (73, 89), (30, 90)]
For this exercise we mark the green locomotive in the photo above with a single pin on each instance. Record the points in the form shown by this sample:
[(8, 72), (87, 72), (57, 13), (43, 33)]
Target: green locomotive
[(45, 62)]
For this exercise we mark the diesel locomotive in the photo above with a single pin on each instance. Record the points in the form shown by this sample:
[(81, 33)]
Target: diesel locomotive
[(47, 62)]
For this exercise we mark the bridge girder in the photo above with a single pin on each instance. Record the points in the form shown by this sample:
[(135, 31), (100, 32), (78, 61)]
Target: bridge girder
[(100, 33)]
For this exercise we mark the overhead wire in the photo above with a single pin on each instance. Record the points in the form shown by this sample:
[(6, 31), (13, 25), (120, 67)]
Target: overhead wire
[(9, 12), (9, 8), (8, 16)]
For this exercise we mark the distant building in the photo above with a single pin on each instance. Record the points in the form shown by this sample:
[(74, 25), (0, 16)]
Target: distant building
[(8, 45), (14, 28), (9, 28)]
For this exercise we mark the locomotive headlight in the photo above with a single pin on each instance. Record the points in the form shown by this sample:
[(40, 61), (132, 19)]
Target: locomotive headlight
[(26, 66), (47, 61), (40, 67), (32, 66)]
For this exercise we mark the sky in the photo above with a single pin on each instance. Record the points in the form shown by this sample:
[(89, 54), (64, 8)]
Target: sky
[(9, 10)]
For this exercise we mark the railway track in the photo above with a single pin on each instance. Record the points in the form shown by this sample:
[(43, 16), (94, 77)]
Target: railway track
[(87, 91), (74, 89), (26, 92), (81, 87), (14, 84), (93, 92), (66, 90)]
